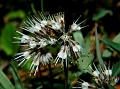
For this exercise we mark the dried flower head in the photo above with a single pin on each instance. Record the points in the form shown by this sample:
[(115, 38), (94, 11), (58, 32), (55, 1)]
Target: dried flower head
[(46, 31)]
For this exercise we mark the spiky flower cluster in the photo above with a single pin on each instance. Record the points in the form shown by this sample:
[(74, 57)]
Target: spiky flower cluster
[(101, 76), (44, 31)]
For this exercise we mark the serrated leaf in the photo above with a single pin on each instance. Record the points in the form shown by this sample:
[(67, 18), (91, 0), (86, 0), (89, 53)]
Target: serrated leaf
[(101, 13), (5, 82), (7, 39), (116, 69)]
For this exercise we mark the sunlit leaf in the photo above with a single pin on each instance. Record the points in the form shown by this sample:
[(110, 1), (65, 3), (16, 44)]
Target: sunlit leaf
[(15, 14), (7, 44)]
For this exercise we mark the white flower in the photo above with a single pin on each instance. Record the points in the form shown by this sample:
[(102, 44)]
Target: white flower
[(74, 27), (52, 41), (62, 55), (85, 85), (108, 72), (25, 39), (96, 73), (42, 43), (32, 44), (43, 32), (76, 48), (45, 58), (39, 58), (43, 23), (102, 75)]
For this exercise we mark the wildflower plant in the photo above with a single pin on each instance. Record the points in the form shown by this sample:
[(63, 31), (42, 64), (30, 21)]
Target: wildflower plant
[(101, 73), (44, 32)]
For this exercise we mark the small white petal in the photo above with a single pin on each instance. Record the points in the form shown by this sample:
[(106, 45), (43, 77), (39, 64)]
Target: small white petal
[(75, 27), (108, 72), (96, 73), (85, 85), (56, 26), (42, 43), (52, 41), (76, 48), (25, 39), (63, 52), (32, 44), (43, 23)]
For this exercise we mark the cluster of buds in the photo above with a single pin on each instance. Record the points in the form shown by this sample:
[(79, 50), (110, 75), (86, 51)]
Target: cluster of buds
[(101, 76), (44, 31)]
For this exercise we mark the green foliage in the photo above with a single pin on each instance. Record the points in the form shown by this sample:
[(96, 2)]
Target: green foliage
[(16, 14), (7, 39), (116, 69), (85, 61), (101, 13), (97, 49), (5, 82), (78, 37), (108, 53), (13, 69), (113, 45)]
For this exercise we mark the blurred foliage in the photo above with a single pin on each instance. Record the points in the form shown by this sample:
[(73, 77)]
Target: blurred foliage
[(104, 13)]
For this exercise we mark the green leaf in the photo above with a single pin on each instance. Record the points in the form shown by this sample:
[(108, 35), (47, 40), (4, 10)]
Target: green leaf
[(117, 38), (108, 53), (15, 14), (97, 49), (18, 84), (112, 44), (110, 87), (116, 69), (87, 42), (7, 35), (5, 82), (101, 13), (85, 61), (78, 37)]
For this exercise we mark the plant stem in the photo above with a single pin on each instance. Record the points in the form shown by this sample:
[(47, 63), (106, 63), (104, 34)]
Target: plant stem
[(42, 6), (66, 74), (50, 76)]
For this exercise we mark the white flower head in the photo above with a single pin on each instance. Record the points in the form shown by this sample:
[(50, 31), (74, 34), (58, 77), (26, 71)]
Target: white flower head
[(43, 32), (102, 75)]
